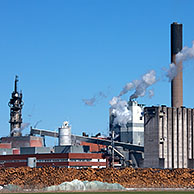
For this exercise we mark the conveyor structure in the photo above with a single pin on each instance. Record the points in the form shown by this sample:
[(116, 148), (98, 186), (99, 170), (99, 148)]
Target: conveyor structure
[(129, 153), (106, 142)]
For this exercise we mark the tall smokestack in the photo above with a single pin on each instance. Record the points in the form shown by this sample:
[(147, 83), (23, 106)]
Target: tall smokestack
[(177, 82)]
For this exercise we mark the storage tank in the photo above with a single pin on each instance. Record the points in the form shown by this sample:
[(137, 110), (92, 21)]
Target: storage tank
[(65, 134)]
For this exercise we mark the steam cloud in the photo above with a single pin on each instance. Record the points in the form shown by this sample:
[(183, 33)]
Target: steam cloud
[(119, 107), (96, 98), (185, 54), (127, 88), (172, 71), (23, 126), (151, 93), (89, 102), (120, 111), (149, 78), (140, 86)]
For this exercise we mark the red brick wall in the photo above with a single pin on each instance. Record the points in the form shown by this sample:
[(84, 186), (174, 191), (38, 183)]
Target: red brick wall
[(36, 143), (94, 147), (14, 160), (5, 145)]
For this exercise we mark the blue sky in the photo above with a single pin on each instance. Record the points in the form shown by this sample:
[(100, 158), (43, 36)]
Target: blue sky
[(64, 51)]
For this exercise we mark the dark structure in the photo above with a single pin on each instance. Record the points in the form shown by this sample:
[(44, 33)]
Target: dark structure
[(15, 105), (177, 82)]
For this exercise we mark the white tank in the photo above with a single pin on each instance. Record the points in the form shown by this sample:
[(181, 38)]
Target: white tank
[(65, 134)]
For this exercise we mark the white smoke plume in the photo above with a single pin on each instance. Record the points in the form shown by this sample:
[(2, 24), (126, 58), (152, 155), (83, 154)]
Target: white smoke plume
[(15, 130), (185, 54), (89, 102), (23, 126), (120, 111), (172, 71), (96, 98), (140, 86), (151, 93), (119, 108), (147, 80), (129, 86)]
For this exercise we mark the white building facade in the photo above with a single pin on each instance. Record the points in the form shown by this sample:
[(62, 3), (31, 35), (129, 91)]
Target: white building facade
[(133, 131)]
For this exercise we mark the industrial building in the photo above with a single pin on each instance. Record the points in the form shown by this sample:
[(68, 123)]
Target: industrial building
[(18, 150), (133, 131), (169, 137), (68, 160), (71, 151), (169, 131), (156, 137)]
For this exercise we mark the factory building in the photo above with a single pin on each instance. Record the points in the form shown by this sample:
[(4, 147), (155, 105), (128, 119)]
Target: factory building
[(169, 131), (93, 147), (169, 137), (136, 126), (164, 134), (22, 141), (133, 131), (68, 160), (17, 150)]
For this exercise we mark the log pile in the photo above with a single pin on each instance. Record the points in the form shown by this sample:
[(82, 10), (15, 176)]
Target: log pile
[(128, 177)]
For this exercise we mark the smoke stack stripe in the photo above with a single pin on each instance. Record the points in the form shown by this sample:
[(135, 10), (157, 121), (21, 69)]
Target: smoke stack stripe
[(177, 82)]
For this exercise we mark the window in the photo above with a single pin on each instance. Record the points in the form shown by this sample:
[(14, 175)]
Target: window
[(13, 161), (80, 160), (52, 160)]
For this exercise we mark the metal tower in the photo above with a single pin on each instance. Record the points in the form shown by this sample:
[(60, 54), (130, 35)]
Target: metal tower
[(15, 105)]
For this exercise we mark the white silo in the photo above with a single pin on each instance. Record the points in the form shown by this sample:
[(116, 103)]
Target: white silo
[(65, 134)]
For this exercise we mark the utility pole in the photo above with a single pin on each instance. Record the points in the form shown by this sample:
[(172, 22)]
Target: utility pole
[(113, 146)]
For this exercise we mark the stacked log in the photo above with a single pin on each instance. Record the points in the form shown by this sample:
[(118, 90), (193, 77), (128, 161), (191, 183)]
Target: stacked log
[(128, 177)]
